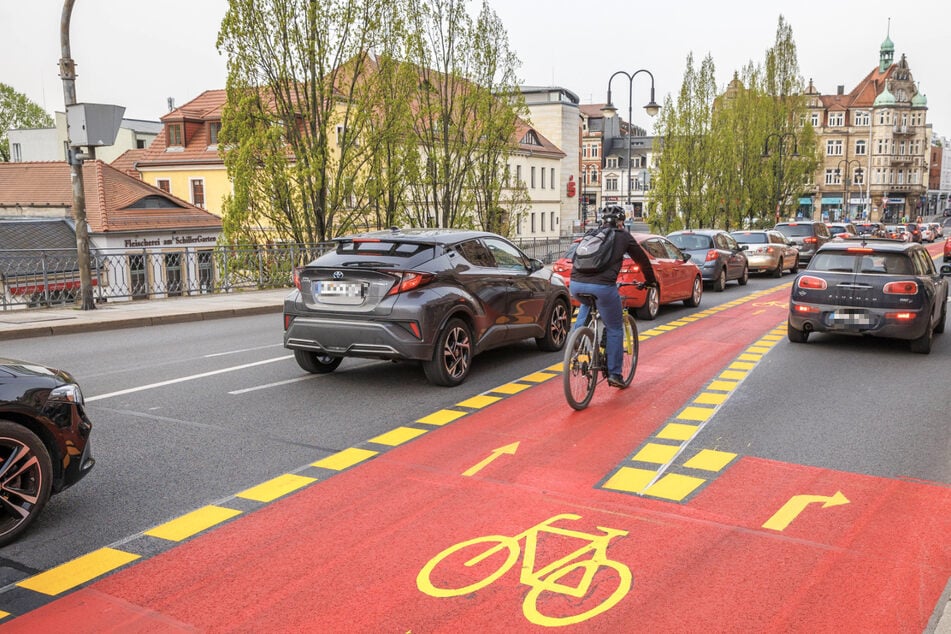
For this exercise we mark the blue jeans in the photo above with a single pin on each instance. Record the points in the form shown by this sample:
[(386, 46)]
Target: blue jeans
[(609, 305)]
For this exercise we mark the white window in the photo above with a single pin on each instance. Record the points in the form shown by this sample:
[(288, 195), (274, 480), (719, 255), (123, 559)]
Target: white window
[(832, 176), (860, 147), (837, 119), (815, 119), (16, 153), (612, 162), (834, 147), (543, 187), (610, 183), (861, 118)]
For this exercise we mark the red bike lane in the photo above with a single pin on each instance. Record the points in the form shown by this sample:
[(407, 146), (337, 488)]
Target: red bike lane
[(764, 546)]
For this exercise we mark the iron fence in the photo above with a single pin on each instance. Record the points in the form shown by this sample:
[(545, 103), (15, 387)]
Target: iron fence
[(50, 277)]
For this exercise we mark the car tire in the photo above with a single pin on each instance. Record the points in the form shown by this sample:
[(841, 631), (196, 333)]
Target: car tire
[(939, 327), (795, 335), (557, 327), (315, 362), (720, 283), (696, 294), (25, 483), (922, 345), (651, 305), (745, 277), (452, 356), (795, 267), (778, 271)]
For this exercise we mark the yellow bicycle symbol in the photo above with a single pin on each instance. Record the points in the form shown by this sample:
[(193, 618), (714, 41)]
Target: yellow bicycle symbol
[(552, 578)]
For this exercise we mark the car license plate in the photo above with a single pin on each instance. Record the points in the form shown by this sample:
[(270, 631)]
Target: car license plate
[(851, 318), (338, 289)]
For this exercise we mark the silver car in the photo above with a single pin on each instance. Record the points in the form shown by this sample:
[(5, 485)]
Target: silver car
[(438, 296), (769, 251)]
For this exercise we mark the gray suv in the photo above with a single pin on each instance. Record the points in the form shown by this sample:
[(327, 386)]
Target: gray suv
[(437, 296), (807, 235)]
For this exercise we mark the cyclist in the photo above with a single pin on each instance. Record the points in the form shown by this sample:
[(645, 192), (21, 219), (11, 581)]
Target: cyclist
[(603, 286)]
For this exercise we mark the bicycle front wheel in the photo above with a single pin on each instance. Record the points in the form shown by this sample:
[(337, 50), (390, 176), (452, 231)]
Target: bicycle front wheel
[(579, 375), (631, 347)]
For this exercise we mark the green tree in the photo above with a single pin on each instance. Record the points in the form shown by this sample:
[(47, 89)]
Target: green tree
[(17, 111)]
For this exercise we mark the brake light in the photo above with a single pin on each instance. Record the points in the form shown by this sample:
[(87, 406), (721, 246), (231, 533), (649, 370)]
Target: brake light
[(810, 240), (905, 287), (712, 255), (770, 250), (296, 273), (812, 283), (803, 308), (409, 281), (365, 240), (859, 250), (560, 268), (288, 319), (902, 316)]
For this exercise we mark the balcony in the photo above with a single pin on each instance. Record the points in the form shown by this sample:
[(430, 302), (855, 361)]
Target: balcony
[(903, 130)]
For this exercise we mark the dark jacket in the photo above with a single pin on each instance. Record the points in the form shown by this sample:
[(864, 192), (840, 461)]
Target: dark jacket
[(624, 242)]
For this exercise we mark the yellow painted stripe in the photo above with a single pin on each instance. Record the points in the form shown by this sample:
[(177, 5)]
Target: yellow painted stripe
[(742, 365), (656, 453), (723, 386), (480, 401), (674, 486), (759, 349), (538, 377), (78, 571), (750, 357), (709, 398), (3, 614), (710, 460), (555, 368), (192, 523), (512, 388), (695, 413), (630, 479), (664, 328), (731, 375), (653, 332), (677, 431), (398, 436), (772, 338), (344, 459), (679, 322), (441, 417), (276, 487)]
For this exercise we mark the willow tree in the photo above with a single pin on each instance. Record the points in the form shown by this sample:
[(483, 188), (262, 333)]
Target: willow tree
[(293, 121), (465, 113)]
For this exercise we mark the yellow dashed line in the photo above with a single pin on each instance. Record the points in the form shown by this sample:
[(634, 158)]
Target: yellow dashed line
[(538, 377), (732, 376), (511, 388), (656, 453), (441, 417), (742, 365), (677, 431), (192, 523), (750, 357), (345, 459), (709, 398), (674, 486), (710, 460), (78, 571), (696, 413), (723, 386), (276, 487), (480, 401), (630, 479), (398, 436)]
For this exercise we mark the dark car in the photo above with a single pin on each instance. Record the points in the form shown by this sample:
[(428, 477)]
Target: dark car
[(807, 235), (884, 288), (438, 296), (678, 278), (717, 253), (842, 229), (913, 231), (44, 441)]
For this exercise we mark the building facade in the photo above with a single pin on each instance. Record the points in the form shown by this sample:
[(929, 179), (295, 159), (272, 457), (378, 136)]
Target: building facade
[(50, 144)]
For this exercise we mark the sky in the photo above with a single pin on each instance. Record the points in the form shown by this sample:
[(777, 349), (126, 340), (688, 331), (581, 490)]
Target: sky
[(139, 53)]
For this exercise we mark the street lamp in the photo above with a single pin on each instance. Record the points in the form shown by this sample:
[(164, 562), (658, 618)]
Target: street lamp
[(652, 108), (848, 181), (782, 139)]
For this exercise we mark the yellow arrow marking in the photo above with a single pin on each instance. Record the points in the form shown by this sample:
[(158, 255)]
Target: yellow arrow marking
[(797, 504), (507, 449), (757, 312)]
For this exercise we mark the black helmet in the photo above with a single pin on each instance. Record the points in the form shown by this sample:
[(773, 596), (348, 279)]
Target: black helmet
[(613, 214)]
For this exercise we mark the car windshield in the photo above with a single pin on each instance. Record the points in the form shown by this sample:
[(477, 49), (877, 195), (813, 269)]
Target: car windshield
[(795, 230), (744, 237), (691, 241), (846, 262)]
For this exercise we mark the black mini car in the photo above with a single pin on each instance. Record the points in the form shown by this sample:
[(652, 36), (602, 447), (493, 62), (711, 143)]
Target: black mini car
[(44, 441), (437, 296), (885, 288)]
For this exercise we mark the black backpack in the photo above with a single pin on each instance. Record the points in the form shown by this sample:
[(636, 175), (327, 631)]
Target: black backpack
[(595, 251)]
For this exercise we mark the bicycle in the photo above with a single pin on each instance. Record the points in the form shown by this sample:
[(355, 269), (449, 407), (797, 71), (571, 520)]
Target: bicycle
[(572, 575), (585, 364)]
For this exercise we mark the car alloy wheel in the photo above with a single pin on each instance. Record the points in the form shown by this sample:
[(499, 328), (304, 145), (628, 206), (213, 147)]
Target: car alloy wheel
[(745, 278), (559, 324), (452, 356), (720, 282), (694, 300), (651, 305), (26, 476)]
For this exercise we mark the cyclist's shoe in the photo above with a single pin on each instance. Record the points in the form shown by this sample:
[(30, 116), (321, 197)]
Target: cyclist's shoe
[(615, 380)]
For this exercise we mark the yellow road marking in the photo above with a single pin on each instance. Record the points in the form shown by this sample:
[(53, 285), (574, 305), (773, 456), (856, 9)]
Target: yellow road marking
[(192, 523), (276, 487), (538, 377), (709, 398), (656, 453), (479, 401), (344, 459), (441, 417), (723, 386), (398, 436), (696, 413), (674, 486), (630, 479), (710, 460), (78, 571), (677, 431), (511, 388)]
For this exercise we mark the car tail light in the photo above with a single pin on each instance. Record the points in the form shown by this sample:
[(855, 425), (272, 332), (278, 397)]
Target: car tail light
[(905, 287), (410, 280), (810, 240), (859, 250), (712, 255), (770, 250), (812, 283), (296, 274), (803, 309), (560, 268), (902, 316), (288, 319)]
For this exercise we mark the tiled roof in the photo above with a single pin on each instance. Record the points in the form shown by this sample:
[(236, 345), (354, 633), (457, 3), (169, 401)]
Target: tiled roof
[(205, 107), (592, 109), (547, 147), (863, 95), (126, 161), (110, 197), (25, 234)]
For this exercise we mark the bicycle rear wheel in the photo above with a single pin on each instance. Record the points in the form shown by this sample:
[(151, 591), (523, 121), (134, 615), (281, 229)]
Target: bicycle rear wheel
[(579, 375), (631, 347)]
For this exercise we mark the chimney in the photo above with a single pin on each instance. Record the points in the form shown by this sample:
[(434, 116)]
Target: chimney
[(171, 103), (841, 89)]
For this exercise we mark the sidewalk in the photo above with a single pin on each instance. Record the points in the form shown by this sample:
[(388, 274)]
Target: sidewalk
[(40, 322)]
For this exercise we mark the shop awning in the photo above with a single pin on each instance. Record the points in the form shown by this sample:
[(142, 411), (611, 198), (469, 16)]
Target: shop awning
[(805, 200), (832, 200)]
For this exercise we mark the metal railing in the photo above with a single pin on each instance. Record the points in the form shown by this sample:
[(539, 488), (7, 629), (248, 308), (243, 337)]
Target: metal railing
[(36, 278)]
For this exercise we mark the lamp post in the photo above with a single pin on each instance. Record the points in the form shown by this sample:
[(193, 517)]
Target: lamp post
[(782, 140), (848, 180), (652, 108)]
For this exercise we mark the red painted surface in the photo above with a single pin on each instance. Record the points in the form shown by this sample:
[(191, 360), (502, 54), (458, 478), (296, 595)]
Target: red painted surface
[(344, 555)]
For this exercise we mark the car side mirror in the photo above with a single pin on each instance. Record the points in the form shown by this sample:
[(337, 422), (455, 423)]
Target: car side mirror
[(536, 265), (685, 256), (744, 247), (946, 270)]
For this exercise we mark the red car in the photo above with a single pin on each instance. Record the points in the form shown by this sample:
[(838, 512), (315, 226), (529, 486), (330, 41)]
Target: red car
[(947, 249), (679, 279)]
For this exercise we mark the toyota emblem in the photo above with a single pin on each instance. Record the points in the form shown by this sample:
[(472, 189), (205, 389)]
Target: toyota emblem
[(338, 275)]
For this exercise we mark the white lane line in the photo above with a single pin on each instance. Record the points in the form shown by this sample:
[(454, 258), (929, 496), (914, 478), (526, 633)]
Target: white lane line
[(187, 378), (270, 385), (222, 354)]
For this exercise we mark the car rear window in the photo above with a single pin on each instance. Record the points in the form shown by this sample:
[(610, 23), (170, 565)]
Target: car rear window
[(690, 241), (796, 230), (750, 237), (844, 262), (381, 247)]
